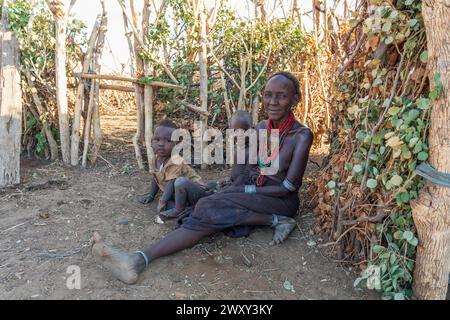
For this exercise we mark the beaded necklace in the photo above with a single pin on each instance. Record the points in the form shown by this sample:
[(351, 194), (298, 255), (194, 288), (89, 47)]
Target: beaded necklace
[(285, 128)]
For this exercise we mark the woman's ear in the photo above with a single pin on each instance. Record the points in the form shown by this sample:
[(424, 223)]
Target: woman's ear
[(296, 99)]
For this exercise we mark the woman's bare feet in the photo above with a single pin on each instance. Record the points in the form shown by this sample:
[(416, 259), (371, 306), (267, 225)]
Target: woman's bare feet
[(124, 266), (282, 230)]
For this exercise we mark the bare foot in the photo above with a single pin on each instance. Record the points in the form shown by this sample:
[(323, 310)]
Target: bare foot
[(124, 266), (282, 230)]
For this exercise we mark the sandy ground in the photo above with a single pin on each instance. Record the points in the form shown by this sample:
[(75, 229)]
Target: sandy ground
[(46, 223)]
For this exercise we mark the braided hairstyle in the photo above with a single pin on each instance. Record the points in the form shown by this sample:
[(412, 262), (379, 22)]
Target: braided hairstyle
[(293, 79)]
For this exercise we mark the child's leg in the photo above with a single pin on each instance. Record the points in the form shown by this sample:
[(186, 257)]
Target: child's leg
[(187, 192)]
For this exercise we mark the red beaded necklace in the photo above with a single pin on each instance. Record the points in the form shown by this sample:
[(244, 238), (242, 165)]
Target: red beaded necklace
[(285, 128)]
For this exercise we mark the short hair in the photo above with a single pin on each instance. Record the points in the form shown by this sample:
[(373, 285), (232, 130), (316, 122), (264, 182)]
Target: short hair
[(291, 78), (167, 123), (244, 115)]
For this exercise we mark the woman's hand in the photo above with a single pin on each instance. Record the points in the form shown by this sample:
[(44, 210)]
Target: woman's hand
[(232, 189)]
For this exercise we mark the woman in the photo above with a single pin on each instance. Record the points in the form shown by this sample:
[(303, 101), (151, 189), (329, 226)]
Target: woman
[(269, 200)]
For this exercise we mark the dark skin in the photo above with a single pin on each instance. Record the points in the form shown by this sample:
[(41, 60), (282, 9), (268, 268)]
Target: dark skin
[(279, 97), (162, 147), (238, 171)]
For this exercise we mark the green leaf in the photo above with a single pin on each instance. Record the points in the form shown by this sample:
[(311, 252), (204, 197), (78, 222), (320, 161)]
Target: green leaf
[(408, 235), (360, 135), (357, 168), (418, 147), (396, 180), (414, 241), (393, 110), (413, 142), (387, 26), (394, 14), (404, 197), (378, 249), (372, 183), (412, 22), (389, 40), (424, 56), (424, 103), (331, 184), (422, 156), (406, 154), (398, 235), (409, 2)]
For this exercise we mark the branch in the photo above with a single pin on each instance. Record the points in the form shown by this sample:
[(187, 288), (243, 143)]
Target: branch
[(380, 120), (352, 57), (192, 107)]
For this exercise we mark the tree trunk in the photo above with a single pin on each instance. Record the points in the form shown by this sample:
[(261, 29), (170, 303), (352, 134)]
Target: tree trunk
[(203, 74), (431, 212), (10, 106), (148, 91), (60, 16), (255, 110)]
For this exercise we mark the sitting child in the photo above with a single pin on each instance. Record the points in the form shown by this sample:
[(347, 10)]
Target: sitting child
[(179, 183), (239, 173)]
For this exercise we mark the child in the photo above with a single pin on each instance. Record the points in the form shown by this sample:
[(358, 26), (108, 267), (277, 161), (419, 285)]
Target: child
[(239, 173), (179, 183)]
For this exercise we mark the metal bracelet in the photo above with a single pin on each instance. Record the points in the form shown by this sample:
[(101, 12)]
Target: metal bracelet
[(289, 185), (250, 188)]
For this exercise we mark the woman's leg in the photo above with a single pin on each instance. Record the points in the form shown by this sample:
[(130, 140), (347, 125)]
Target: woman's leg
[(127, 266), (282, 225)]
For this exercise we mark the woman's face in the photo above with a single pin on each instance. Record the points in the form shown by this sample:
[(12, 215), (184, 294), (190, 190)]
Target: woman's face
[(279, 97)]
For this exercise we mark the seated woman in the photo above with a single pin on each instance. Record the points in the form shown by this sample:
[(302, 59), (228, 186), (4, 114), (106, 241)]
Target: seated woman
[(269, 200)]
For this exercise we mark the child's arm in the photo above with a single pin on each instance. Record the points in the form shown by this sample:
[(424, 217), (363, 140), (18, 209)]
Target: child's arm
[(150, 196), (167, 194), (240, 174)]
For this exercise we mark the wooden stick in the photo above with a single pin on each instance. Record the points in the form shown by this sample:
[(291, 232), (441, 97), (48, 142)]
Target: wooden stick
[(97, 133), (193, 108), (37, 101), (75, 139), (127, 79)]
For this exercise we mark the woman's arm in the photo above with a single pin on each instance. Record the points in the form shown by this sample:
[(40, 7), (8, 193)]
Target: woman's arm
[(295, 172)]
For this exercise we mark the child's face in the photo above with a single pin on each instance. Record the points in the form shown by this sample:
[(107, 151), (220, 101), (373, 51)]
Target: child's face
[(161, 142), (239, 123)]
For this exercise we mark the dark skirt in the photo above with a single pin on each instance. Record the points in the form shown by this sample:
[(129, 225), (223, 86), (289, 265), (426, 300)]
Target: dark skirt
[(227, 211)]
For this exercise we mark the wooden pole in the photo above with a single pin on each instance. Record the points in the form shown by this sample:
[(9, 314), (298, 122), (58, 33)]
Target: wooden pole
[(202, 54), (97, 133), (60, 16), (10, 105), (431, 212), (76, 125)]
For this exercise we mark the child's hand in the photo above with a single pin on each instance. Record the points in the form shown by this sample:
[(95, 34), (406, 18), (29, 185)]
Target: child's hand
[(146, 198), (161, 206)]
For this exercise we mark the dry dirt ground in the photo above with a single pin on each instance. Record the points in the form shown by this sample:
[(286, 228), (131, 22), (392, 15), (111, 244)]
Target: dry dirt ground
[(46, 223)]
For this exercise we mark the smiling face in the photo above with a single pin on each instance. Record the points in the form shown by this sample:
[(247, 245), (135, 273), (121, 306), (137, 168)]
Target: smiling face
[(279, 97), (161, 142)]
